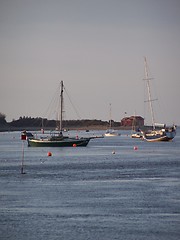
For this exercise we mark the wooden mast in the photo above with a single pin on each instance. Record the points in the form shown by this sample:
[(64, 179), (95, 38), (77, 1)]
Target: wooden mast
[(61, 106), (110, 116), (149, 93)]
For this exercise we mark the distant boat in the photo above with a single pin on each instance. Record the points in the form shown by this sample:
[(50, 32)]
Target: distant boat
[(56, 139), (162, 133), (137, 135), (111, 132), (136, 132)]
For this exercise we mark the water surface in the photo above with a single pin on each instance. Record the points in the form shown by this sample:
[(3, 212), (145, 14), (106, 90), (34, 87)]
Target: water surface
[(90, 193)]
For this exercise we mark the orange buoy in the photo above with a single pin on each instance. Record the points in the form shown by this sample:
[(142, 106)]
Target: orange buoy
[(74, 145), (49, 154)]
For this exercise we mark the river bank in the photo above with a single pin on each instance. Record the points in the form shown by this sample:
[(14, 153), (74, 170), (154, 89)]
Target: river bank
[(82, 128), (90, 128)]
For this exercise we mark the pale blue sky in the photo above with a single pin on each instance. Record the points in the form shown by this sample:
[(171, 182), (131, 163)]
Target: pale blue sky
[(96, 47)]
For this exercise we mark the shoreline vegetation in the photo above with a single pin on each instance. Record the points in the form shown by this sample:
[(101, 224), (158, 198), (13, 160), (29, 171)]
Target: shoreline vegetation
[(91, 128), (36, 124)]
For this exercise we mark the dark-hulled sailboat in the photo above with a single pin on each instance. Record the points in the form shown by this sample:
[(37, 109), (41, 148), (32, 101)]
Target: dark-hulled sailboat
[(56, 139)]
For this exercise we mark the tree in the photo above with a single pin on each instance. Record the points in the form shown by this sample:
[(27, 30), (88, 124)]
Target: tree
[(2, 118)]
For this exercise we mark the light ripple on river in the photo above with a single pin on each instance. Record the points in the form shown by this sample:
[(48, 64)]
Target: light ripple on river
[(90, 193)]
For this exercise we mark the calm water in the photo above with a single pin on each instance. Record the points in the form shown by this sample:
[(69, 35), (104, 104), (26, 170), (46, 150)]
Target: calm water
[(90, 193)]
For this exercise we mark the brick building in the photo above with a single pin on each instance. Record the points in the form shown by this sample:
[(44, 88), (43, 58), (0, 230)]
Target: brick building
[(137, 121)]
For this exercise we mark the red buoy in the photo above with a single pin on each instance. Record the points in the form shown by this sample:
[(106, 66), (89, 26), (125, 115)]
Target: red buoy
[(49, 154), (74, 145)]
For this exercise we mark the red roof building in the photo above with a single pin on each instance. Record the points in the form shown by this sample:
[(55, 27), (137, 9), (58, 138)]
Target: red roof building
[(137, 121)]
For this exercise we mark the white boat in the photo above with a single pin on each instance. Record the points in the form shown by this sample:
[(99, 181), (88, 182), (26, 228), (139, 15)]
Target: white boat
[(136, 132), (137, 135), (111, 132), (160, 133)]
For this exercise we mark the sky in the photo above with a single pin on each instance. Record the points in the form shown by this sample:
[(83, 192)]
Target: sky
[(97, 48)]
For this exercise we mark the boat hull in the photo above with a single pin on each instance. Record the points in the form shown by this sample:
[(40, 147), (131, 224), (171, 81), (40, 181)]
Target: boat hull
[(137, 135), (111, 134), (59, 143), (159, 136)]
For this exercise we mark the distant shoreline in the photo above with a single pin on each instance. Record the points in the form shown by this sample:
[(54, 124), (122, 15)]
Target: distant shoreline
[(88, 128)]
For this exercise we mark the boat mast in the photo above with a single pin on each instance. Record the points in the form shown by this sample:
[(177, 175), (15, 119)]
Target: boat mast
[(149, 92), (110, 116), (61, 107), (134, 122)]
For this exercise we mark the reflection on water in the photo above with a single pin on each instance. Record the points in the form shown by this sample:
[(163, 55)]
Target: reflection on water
[(90, 193)]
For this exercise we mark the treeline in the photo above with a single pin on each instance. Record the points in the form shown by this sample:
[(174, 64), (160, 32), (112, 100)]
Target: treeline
[(2, 119), (38, 122)]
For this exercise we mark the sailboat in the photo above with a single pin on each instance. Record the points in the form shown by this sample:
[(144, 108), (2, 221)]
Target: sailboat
[(162, 133), (56, 139), (111, 132), (136, 132)]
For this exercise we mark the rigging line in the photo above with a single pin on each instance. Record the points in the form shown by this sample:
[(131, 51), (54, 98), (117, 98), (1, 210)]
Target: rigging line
[(75, 109), (52, 105)]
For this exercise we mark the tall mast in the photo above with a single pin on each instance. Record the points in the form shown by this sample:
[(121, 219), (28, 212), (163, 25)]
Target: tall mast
[(61, 105), (149, 92), (110, 116)]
